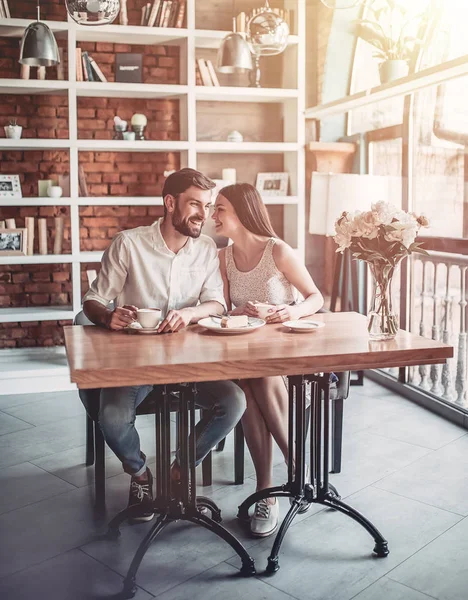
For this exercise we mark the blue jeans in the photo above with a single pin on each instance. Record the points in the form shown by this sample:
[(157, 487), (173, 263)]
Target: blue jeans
[(223, 404)]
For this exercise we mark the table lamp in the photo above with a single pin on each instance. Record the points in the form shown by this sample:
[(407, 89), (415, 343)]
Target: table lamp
[(267, 35)]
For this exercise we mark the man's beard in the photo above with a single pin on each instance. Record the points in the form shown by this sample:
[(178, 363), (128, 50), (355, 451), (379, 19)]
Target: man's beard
[(184, 226)]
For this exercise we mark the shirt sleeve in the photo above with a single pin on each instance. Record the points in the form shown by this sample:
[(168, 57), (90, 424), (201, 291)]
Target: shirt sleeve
[(113, 274), (212, 289)]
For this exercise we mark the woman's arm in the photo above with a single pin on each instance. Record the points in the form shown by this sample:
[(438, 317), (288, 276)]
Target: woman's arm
[(222, 268), (296, 273)]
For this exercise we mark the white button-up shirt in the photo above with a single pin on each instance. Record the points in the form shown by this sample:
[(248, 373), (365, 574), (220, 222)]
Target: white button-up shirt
[(138, 268)]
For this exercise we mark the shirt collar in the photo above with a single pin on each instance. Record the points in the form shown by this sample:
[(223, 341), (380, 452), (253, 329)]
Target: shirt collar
[(158, 240)]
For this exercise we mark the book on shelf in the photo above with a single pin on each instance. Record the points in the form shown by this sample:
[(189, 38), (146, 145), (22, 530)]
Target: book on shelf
[(79, 65), (82, 186), (180, 14), (87, 70), (4, 10), (205, 74), (129, 67), (154, 13), (29, 224), (162, 14), (96, 70), (145, 13), (212, 72)]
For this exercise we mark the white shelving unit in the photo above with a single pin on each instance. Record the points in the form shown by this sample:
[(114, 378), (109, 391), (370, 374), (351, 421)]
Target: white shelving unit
[(291, 95)]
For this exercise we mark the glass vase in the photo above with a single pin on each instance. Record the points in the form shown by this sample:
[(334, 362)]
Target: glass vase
[(382, 319)]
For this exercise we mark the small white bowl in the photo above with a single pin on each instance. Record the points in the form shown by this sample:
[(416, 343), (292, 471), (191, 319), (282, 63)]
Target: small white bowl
[(54, 191)]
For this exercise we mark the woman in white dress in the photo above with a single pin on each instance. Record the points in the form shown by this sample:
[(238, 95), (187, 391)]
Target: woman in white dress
[(260, 268)]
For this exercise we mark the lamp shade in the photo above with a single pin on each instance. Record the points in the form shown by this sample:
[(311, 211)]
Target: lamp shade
[(93, 12), (333, 193), (39, 47), (234, 55)]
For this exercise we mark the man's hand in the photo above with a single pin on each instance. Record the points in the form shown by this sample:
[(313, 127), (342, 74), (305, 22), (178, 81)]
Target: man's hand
[(176, 320), (122, 316)]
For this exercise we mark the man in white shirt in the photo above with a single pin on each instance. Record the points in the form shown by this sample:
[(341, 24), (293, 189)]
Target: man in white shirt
[(171, 266)]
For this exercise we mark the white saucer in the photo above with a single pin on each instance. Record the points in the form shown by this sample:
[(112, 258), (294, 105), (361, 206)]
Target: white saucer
[(304, 325), (137, 328), (215, 325)]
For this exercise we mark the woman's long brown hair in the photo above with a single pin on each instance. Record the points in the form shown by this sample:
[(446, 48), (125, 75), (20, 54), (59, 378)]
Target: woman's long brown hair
[(250, 209)]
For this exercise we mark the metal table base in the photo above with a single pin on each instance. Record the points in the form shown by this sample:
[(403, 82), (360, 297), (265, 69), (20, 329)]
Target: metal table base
[(177, 502), (319, 490)]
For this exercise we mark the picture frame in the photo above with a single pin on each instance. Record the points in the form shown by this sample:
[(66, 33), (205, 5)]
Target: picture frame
[(272, 184), (10, 187), (13, 242)]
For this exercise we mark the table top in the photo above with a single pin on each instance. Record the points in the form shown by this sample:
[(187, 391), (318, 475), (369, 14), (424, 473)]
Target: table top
[(103, 358)]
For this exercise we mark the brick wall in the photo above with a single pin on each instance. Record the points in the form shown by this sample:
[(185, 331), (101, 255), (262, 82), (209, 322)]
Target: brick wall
[(107, 173), (9, 55)]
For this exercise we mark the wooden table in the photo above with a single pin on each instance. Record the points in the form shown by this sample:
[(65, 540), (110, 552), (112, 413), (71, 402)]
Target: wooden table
[(100, 358)]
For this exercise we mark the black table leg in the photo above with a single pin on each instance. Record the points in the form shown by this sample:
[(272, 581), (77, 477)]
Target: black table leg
[(177, 502), (319, 490)]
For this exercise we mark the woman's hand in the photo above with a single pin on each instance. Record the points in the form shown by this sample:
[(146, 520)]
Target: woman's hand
[(284, 312), (248, 309)]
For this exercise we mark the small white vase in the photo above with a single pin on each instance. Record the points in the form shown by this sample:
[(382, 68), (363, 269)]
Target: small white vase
[(235, 136), (54, 191), (390, 70), (13, 132)]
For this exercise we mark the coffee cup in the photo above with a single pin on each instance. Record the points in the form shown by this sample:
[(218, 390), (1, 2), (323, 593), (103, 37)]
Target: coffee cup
[(149, 317), (263, 309)]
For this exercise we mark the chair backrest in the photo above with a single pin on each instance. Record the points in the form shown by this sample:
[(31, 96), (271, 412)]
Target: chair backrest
[(81, 319)]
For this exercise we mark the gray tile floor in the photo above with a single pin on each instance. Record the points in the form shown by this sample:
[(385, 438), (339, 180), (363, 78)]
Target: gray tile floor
[(403, 467)]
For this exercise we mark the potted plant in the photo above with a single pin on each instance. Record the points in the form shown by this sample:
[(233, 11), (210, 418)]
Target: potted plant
[(13, 130), (388, 30)]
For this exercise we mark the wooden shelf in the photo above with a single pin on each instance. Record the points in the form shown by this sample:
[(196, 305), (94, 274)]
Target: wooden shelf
[(16, 27), (90, 257), (98, 89), (452, 69), (41, 202), (244, 94), (130, 34), (38, 313), (33, 144), (32, 86), (36, 259), (120, 201), (246, 147), (212, 38), (123, 146)]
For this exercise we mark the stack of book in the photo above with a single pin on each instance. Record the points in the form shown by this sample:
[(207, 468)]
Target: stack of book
[(205, 73), (86, 67), (163, 13), (4, 10)]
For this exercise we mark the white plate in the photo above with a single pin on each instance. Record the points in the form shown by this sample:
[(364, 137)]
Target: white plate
[(215, 325), (137, 328), (303, 325)]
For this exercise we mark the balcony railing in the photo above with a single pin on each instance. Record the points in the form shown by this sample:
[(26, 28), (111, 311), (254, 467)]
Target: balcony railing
[(438, 309)]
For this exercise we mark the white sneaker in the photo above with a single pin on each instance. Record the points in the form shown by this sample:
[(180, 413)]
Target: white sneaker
[(305, 505), (265, 518)]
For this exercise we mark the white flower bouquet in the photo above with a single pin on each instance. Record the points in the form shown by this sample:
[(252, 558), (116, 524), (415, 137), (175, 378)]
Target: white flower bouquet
[(382, 237)]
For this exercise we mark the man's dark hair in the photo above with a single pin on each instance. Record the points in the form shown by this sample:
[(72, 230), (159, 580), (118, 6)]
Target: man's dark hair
[(179, 181)]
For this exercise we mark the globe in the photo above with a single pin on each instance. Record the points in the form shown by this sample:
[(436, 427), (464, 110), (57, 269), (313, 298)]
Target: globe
[(93, 12), (267, 33)]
